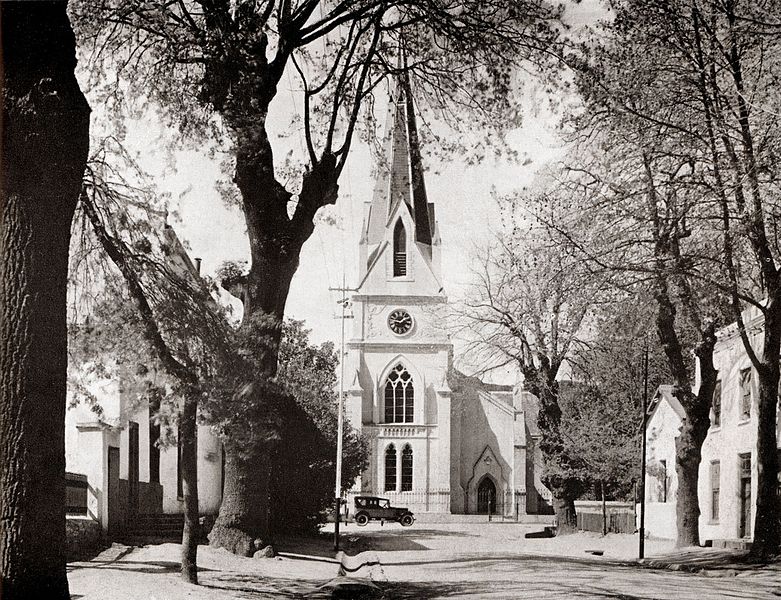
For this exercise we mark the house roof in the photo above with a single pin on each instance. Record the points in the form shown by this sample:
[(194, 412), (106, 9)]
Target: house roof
[(665, 393)]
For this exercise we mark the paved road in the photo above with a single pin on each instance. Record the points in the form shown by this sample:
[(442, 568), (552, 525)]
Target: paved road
[(498, 561), (423, 562)]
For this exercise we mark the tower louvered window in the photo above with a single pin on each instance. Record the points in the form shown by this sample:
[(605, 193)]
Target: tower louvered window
[(399, 250), (390, 469), (399, 396)]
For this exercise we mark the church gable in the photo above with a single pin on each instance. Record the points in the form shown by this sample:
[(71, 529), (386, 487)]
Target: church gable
[(400, 266)]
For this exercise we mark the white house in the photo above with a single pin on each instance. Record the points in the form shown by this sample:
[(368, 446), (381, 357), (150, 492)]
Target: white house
[(728, 470), (116, 447), (440, 441)]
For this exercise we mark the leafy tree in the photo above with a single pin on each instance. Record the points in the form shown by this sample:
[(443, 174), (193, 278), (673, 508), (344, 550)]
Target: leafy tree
[(603, 409), (214, 68), (151, 307), (696, 165), (45, 140), (153, 311), (303, 482), (531, 308)]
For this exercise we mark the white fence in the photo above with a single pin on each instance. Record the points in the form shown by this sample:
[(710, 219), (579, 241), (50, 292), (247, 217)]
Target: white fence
[(416, 501)]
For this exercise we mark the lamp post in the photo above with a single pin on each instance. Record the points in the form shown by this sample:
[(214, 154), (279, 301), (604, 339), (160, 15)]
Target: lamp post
[(641, 549), (340, 420)]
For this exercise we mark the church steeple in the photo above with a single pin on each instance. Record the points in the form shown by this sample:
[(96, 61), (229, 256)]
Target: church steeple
[(401, 177)]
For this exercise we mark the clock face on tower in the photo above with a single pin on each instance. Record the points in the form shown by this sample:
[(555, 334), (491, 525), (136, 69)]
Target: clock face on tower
[(400, 322)]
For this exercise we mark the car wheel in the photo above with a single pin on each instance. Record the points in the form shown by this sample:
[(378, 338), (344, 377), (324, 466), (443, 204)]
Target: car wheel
[(361, 519), (406, 520)]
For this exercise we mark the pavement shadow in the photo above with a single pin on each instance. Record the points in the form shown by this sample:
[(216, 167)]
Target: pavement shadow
[(356, 541), (254, 587), (570, 578), (137, 566)]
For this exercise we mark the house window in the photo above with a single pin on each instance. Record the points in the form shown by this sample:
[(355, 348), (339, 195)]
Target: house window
[(406, 469), (745, 394), (399, 396), (744, 494), (390, 469), (663, 481), (399, 250), (717, 404), (715, 484)]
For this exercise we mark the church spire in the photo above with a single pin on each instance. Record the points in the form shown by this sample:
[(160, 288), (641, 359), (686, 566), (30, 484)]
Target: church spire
[(401, 177)]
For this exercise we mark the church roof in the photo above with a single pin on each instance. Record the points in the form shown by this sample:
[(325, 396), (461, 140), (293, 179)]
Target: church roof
[(400, 176)]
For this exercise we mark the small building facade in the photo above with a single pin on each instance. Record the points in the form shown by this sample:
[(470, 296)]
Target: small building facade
[(115, 442), (727, 483), (440, 441)]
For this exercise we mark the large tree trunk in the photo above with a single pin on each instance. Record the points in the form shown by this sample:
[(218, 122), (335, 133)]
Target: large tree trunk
[(45, 138), (687, 469), (275, 244), (188, 427), (559, 476), (244, 512), (688, 444), (564, 509), (767, 527)]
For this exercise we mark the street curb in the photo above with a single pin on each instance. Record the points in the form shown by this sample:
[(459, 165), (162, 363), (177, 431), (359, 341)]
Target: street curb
[(668, 566)]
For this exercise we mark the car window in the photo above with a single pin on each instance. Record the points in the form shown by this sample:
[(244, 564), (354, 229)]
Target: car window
[(384, 503), (360, 502)]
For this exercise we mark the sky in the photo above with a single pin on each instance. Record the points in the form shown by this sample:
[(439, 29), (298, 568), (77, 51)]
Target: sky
[(464, 196)]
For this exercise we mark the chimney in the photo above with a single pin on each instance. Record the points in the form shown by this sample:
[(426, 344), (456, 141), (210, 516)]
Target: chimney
[(198, 265)]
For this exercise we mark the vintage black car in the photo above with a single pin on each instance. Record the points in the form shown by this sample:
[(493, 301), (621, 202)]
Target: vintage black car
[(379, 509)]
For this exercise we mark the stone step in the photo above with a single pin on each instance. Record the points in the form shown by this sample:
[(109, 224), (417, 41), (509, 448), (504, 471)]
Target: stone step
[(730, 544), (146, 540), (159, 518)]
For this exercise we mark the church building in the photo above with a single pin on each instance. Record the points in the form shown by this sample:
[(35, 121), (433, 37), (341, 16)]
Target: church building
[(440, 442)]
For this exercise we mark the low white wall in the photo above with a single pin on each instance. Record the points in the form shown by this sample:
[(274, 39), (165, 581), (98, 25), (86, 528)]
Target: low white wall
[(659, 520)]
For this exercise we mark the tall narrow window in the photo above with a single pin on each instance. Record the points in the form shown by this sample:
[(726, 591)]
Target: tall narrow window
[(179, 474), (406, 469), (399, 396), (154, 437), (717, 404), (745, 394), (399, 250), (390, 469), (663, 481), (744, 494), (715, 485)]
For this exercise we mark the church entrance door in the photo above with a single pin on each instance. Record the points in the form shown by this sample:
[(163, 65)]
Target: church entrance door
[(486, 497)]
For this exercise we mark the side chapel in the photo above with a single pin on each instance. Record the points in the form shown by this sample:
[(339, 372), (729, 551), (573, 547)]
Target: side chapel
[(440, 441)]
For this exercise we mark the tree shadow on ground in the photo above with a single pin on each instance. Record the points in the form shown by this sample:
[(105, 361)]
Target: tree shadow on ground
[(257, 586), (138, 566), (354, 541), (696, 559), (524, 576)]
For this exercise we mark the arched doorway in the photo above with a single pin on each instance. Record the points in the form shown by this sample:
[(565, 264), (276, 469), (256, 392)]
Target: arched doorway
[(486, 496)]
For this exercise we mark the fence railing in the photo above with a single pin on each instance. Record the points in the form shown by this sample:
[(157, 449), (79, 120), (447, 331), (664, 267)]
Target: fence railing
[(508, 505), (416, 501), (617, 522)]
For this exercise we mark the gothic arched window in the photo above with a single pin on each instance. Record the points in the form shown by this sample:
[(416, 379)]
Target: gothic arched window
[(399, 250), (406, 469), (399, 396), (390, 469)]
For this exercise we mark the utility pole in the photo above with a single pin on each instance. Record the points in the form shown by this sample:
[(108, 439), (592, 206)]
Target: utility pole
[(641, 551), (344, 301)]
